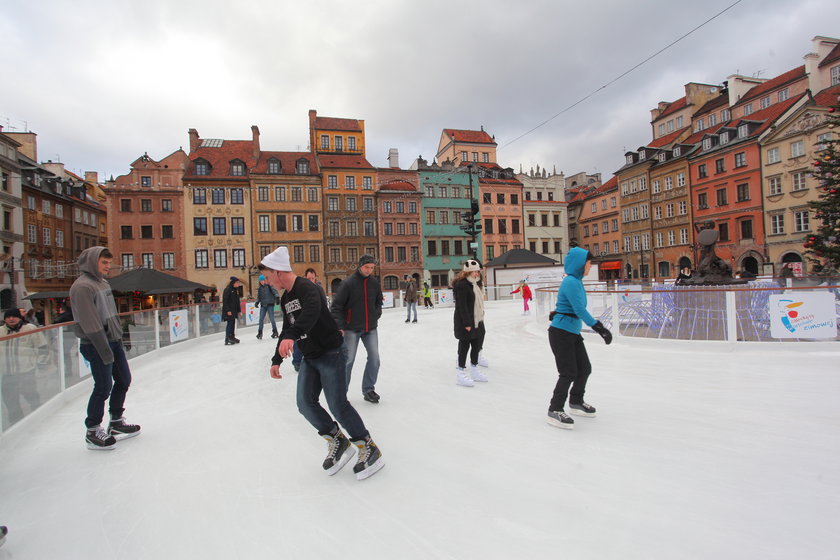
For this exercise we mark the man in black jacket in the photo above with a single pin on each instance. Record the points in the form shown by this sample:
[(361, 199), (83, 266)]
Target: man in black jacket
[(230, 309), (356, 308), (307, 321)]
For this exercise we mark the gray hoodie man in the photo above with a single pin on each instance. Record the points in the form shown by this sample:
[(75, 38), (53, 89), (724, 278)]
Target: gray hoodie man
[(94, 309)]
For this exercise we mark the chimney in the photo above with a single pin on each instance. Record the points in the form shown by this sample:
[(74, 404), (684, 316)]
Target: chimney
[(255, 143), (195, 141), (394, 158), (92, 177), (313, 114)]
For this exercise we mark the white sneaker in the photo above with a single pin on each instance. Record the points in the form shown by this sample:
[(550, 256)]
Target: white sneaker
[(482, 361), (476, 374), (463, 378)]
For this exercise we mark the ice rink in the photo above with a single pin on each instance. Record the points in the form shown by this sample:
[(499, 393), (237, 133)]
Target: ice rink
[(699, 451)]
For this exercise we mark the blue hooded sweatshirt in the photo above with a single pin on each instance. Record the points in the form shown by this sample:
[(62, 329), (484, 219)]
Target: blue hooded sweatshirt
[(571, 297)]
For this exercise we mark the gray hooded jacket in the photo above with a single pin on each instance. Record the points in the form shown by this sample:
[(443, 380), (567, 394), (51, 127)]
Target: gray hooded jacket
[(94, 309)]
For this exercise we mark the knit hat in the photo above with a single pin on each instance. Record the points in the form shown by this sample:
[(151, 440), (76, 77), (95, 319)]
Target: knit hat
[(13, 312), (233, 279), (262, 277), (472, 265), (366, 259), (278, 260)]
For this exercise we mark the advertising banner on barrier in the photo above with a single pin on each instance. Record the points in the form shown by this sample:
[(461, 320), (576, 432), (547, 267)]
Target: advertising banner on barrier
[(387, 300), (252, 313), (802, 315), (179, 325), (445, 297)]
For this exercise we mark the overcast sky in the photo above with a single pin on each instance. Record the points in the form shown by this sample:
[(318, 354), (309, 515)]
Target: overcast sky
[(103, 82)]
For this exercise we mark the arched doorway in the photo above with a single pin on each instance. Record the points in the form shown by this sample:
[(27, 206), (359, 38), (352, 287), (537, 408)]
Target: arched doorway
[(750, 264), (334, 285), (794, 262), (791, 258), (390, 283)]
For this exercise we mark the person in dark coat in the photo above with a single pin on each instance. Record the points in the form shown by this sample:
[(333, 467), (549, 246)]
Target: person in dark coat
[(230, 309), (410, 298), (266, 298), (469, 322), (685, 274), (356, 308)]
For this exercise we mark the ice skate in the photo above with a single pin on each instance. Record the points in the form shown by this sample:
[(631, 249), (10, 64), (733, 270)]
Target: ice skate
[(476, 374), (98, 439), (482, 361), (369, 459), (560, 419), (121, 429), (463, 378), (582, 409), (339, 452)]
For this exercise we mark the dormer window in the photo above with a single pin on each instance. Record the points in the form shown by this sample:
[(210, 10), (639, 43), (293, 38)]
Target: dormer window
[(748, 109), (274, 166), (629, 158), (202, 167), (743, 131), (707, 143), (677, 151), (724, 137), (641, 155), (302, 167), (661, 157), (237, 168)]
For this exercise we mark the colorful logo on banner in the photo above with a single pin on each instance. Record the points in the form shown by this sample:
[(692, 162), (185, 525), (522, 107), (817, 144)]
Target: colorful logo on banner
[(179, 325), (252, 314), (631, 294), (387, 300), (806, 315), (445, 297)]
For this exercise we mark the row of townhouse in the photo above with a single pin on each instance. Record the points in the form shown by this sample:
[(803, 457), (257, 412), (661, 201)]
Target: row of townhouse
[(735, 156), (50, 215)]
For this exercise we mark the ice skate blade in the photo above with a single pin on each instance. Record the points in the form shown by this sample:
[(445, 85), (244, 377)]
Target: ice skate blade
[(119, 436), (371, 470), (348, 454), (577, 412), (94, 447), (558, 424)]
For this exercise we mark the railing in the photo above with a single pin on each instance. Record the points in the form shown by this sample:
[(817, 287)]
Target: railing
[(39, 365), (736, 313)]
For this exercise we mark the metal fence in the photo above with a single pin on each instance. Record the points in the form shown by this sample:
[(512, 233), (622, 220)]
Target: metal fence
[(37, 366)]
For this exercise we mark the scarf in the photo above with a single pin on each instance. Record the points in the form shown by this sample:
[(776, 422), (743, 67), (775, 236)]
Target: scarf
[(478, 308)]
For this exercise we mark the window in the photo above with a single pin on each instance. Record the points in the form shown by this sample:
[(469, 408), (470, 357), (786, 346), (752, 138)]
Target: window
[(125, 205), (334, 229), (740, 159), (746, 229), (487, 198), (743, 192), (500, 198), (126, 232), (444, 216), (325, 142), (297, 223), (389, 228), (707, 143), (764, 102), (721, 197), (488, 226), (775, 185), (201, 258), (699, 125), (220, 258), (148, 260), (369, 231), (166, 232), (748, 109), (367, 183), (350, 203), (773, 155), (442, 191), (127, 261), (237, 226), (412, 228), (777, 224), (444, 247), (315, 252), (475, 156), (669, 210), (595, 229), (146, 232), (544, 220), (264, 223), (783, 95), (367, 204), (719, 166), (743, 130), (219, 226), (671, 238), (586, 231), (683, 208), (351, 143), (145, 205), (723, 230), (280, 194), (166, 205), (59, 209), (302, 167), (237, 196), (797, 149), (238, 258), (59, 238), (201, 168), (350, 183), (297, 194), (658, 239), (218, 196), (701, 171), (669, 183), (273, 166), (332, 182), (339, 143), (677, 151), (798, 180), (332, 203), (661, 129), (199, 196), (431, 247), (335, 255), (313, 222), (262, 194), (312, 194), (430, 216), (47, 236), (199, 226)]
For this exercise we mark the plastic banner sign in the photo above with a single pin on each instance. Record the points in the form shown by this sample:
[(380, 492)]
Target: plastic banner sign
[(179, 325), (631, 293), (802, 315), (252, 313), (445, 297)]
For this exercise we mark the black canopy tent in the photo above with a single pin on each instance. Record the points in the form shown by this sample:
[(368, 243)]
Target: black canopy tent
[(150, 283)]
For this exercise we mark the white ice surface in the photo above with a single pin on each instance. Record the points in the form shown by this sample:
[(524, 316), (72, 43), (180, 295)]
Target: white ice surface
[(703, 451)]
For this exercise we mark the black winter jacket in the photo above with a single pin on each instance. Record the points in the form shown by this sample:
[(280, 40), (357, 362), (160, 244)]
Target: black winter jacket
[(357, 305), (230, 302), (464, 296), (307, 319)]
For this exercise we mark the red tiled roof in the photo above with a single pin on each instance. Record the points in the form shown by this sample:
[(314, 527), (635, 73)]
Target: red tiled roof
[(472, 136), (712, 105), (398, 186), (220, 158), (831, 57), (343, 162), (790, 76), (828, 96), (673, 108), (698, 136), (288, 162), (667, 139), (333, 123)]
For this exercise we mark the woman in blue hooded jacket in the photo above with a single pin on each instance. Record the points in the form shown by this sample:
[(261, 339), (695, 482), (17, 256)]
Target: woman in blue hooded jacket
[(567, 344)]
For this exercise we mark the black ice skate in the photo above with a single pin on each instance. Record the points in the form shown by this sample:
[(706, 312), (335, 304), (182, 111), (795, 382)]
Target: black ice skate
[(339, 452), (121, 429), (259, 335), (560, 419), (229, 341), (369, 460), (98, 439), (582, 409)]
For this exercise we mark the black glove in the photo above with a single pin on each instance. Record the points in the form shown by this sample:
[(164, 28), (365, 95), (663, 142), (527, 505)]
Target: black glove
[(256, 303), (603, 331), (551, 315)]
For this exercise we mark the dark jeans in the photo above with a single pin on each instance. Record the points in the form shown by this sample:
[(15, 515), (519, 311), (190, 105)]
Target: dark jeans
[(572, 365), (230, 329), (370, 340), (471, 345), (326, 373), (427, 302), (297, 355), (267, 310), (108, 380)]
